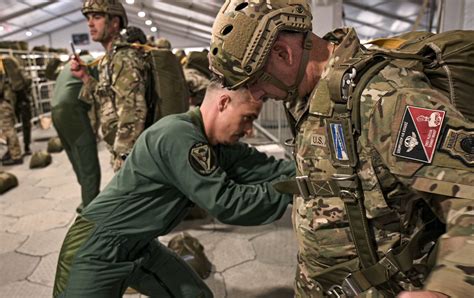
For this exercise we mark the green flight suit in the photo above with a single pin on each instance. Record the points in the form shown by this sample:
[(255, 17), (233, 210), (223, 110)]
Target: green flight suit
[(75, 131), (113, 243)]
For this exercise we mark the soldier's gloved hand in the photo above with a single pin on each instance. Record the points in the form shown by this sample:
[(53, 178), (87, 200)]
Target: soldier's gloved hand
[(421, 294)]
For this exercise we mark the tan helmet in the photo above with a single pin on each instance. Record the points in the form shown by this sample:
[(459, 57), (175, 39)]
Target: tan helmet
[(244, 32), (163, 43), (110, 7)]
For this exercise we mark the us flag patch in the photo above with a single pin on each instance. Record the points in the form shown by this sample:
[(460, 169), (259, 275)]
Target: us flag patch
[(418, 134)]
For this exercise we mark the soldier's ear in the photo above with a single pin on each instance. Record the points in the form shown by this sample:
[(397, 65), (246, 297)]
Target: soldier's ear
[(282, 52), (223, 102)]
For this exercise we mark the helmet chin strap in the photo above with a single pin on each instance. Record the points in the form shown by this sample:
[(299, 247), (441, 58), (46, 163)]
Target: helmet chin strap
[(105, 34), (292, 91)]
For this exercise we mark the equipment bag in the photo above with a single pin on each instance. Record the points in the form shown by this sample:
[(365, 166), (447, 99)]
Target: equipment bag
[(14, 73), (7, 182), (55, 145), (447, 59), (40, 159), (191, 251), (168, 92)]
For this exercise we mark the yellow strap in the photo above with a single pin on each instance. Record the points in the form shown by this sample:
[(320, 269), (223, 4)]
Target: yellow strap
[(387, 43), (95, 62), (146, 47), (2, 68)]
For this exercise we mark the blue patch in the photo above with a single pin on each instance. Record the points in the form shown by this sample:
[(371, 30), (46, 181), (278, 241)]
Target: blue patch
[(338, 141)]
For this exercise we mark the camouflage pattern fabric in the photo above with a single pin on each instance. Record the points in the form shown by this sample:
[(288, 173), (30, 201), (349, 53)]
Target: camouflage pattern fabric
[(7, 124), (197, 84), (391, 184), (120, 93)]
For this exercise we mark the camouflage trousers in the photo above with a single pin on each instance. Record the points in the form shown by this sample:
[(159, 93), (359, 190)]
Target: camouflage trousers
[(7, 126)]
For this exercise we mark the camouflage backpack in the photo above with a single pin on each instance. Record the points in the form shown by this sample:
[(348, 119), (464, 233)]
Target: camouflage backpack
[(191, 251), (7, 182), (447, 59), (167, 91), (13, 71), (40, 159)]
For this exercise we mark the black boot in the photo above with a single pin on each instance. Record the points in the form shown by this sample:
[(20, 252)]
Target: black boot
[(27, 150), (12, 162), (6, 156)]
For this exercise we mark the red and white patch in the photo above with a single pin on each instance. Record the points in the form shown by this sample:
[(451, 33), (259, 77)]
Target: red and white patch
[(419, 133)]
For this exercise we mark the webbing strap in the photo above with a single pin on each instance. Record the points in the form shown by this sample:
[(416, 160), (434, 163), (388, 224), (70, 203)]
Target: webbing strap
[(397, 261), (307, 188)]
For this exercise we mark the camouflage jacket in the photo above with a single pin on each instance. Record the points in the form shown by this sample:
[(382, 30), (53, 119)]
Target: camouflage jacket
[(391, 184), (120, 93)]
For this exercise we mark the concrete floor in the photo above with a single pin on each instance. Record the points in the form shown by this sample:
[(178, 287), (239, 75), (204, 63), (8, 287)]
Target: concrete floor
[(34, 217)]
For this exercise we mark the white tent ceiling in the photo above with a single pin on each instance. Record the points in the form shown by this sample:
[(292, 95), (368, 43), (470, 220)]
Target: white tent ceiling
[(192, 20)]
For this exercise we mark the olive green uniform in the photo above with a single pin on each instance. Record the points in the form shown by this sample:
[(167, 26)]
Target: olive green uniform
[(75, 131), (171, 168)]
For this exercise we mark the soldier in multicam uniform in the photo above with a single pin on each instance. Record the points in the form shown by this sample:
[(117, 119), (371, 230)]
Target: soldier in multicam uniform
[(120, 90), (377, 175), (7, 126), (197, 77)]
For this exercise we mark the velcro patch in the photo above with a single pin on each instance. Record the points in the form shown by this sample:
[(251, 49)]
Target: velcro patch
[(318, 140), (418, 134), (202, 159), (459, 143), (339, 142)]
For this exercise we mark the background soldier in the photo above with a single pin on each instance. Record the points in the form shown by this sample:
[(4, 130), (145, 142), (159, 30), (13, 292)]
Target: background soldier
[(351, 163), (70, 118), (7, 124), (197, 74), (120, 89)]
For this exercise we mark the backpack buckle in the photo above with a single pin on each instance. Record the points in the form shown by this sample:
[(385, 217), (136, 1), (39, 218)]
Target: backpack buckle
[(304, 187), (336, 291), (347, 84), (350, 286)]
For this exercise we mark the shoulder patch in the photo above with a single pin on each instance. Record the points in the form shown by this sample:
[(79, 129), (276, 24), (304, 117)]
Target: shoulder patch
[(418, 134), (459, 143), (202, 159)]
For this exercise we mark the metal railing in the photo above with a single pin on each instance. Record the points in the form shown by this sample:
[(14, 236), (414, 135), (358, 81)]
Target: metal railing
[(272, 123)]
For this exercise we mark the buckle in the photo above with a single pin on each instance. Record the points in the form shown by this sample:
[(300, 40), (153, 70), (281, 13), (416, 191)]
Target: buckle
[(391, 267), (336, 291), (350, 287), (343, 177), (348, 196), (303, 186)]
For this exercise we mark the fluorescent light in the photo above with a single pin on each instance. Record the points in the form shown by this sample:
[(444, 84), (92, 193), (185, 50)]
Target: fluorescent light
[(141, 14), (28, 33), (153, 29), (148, 22), (2, 28), (130, 1)]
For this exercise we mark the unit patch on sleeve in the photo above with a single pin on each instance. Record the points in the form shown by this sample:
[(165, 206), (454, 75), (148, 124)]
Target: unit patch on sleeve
[(339, 142), (459, 143), (419, 133), (202, 159)]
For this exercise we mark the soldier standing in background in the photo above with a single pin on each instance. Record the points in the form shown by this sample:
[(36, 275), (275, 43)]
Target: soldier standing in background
[(372, 197), (7, 125), (120, 90), (197, 74), (70, 118)]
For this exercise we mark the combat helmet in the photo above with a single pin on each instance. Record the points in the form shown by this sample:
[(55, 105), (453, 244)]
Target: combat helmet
[(244, 32), (163, 43), (110, 7)]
